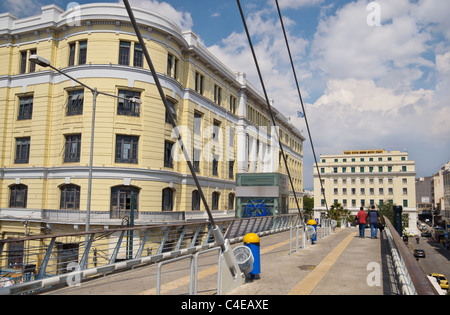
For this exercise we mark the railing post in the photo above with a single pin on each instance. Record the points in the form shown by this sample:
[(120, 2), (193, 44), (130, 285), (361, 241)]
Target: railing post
[(41, 271)]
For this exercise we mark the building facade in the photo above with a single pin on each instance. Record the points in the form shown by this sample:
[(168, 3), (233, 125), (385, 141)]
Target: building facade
[(46, 119), (362, 178), (445, 211)]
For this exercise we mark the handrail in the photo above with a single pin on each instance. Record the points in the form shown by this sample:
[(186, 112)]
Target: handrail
[(419, 279), (44, 260)]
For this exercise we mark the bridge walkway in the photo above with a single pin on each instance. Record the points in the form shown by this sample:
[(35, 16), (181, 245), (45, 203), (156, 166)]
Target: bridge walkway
[(338, 264)]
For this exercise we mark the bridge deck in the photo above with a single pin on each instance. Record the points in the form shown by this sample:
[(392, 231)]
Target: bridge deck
[(340, 263)]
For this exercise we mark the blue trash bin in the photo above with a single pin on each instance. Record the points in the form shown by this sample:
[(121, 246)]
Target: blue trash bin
[(252, 241), (313, 223)]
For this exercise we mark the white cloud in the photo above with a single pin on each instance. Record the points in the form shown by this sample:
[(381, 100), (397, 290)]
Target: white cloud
[(22, 8), (270, 49), (295, 4), (182, 19), (345, 46)]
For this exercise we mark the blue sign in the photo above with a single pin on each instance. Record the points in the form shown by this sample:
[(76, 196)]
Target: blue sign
[(256, 208)]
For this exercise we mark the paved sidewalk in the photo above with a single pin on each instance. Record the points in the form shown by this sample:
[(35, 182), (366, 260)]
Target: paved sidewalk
[(336, 265)]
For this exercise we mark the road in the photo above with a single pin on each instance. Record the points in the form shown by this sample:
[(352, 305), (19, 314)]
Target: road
[(437, 259)]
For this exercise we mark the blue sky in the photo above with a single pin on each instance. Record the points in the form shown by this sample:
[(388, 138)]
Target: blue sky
[(364, 86)]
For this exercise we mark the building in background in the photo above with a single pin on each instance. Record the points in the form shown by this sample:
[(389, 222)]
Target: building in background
[(424, 194), (362, 178), (46, 119)]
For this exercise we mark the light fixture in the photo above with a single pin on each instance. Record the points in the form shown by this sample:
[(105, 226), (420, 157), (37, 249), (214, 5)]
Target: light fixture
[(39, 61)]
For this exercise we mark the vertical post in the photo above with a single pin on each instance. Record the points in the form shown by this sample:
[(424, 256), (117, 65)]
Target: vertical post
[(398, 219), (131, 232), (91, 159)]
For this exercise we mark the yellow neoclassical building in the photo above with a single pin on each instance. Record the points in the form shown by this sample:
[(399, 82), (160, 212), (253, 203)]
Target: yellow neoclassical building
[(46, 122)]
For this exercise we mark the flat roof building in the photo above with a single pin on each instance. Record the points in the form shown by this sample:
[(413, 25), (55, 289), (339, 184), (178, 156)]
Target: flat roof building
[(361, 178)]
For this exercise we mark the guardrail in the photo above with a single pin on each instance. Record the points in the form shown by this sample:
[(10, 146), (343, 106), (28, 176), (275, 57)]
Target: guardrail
[(409, 273), (31, 264)]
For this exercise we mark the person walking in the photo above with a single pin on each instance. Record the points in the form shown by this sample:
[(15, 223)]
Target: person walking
[(374, 220), (362, 221)]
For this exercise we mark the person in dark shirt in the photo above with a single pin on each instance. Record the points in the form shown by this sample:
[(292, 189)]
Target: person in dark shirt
[(374, 220)]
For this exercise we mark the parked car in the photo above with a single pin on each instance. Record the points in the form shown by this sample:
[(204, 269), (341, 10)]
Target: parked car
[(426, 234), (441, 279), (419, 253)]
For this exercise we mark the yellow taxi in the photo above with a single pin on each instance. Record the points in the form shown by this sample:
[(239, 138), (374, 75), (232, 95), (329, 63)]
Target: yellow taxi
[(442, 280)]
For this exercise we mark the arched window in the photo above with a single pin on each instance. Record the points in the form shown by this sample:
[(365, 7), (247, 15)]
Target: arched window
[(70, 197), (18, 196), (215, 201), (121, 197), (195, 200), (167, 199)]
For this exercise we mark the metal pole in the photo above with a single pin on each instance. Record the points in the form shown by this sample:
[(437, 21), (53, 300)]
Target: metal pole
[(91, 159), (217, 233)]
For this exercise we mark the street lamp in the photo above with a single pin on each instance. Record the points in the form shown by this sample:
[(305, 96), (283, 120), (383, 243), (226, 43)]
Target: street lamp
[(46, 63)]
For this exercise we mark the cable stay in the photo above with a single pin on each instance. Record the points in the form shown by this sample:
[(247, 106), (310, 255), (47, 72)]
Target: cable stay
[(301, 102), (269, 107)]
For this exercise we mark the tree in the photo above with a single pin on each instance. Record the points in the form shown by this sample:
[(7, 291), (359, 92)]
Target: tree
[(337, 212), (308, 206)]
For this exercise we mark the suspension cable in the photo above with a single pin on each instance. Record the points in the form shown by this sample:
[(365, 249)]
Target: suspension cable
[(301, 102), (168, 110), (269, 107)]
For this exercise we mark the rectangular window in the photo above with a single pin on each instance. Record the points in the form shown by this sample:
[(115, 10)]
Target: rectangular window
[(25, 108), (168, 159), (231, 169), (18, 196), (32, 66), (216, 130), (217, 95), (138, 56), (82, 58), (72, 48), (215, 166), (172, 66), (127, 149), (72, 148), (23, 61), (128, 108), (233, 104), (196, 163), (197, 124), (70, 197), (75, 102), (22, 150), (199, 83), (124, 53), (172, 110), (405, 203)]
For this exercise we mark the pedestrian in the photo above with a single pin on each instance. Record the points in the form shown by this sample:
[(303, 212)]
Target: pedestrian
[(362, 221), (374, 221)]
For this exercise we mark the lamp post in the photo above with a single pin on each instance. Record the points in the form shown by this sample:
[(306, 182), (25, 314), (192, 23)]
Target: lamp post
[(46, 63)]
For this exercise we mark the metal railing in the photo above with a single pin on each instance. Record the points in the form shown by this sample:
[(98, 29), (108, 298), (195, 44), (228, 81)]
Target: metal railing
[(410, 275), (38, 262)]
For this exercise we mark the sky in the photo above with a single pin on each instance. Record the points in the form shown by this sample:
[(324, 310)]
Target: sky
[(373, 75)]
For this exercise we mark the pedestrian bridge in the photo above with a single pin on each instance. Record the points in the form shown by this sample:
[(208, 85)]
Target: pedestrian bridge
[(184, 259)]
